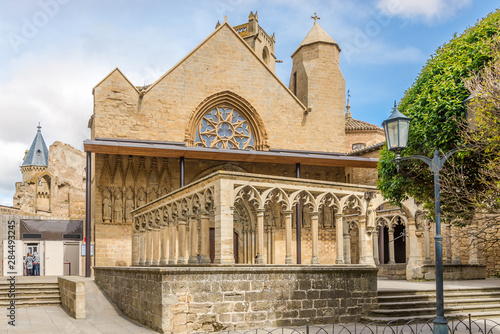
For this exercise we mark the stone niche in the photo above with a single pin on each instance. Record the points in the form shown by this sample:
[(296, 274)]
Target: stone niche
[(181, 299)]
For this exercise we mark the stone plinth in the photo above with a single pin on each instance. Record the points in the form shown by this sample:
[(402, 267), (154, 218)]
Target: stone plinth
[(72, 290), (392, 271), (179, 299), (456, 271)]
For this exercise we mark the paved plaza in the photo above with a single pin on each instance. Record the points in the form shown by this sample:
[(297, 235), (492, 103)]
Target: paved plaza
[(102, 317)]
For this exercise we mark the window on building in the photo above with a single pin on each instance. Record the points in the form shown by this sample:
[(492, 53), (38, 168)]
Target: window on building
[(224, 128), (295, 83), (265, 55), (358, 146)]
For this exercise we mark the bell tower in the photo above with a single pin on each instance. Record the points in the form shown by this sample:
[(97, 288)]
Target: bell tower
[(317, 80), (258, 40)]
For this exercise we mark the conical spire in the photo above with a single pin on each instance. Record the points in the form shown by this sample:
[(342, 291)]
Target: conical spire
[(317, 35), (38, 154)]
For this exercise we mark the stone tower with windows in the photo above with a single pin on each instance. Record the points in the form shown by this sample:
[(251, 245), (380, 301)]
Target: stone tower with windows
[(317, 80), (258, 40)]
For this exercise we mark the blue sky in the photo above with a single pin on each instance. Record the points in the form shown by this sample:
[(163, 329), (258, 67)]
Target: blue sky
[(53, 52)]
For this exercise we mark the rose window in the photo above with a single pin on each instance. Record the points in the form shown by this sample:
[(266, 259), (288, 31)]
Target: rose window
[(224, 128)]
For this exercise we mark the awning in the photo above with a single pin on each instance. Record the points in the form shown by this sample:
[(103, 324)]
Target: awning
[(176, 150), (35, 229)]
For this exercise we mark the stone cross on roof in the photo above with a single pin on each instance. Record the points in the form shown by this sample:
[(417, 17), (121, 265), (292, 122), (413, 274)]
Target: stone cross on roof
[(315, 17)]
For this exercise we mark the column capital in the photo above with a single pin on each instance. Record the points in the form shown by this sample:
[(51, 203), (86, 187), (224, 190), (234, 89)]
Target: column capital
[(314, 214)]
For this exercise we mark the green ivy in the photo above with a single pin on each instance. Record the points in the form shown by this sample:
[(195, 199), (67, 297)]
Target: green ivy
[(435, 104)]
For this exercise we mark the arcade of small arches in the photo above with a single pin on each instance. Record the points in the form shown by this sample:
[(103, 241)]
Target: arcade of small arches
[(233, 217)]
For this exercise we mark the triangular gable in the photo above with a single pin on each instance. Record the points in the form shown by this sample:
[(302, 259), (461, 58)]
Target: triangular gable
[(110, 74), (227, 26)]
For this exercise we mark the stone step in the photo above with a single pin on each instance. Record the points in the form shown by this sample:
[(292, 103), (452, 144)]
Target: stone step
[(432, 296), (31, 303), (30, 293), (429, 303), (31, 297), (425, 318), (430, 311), (433, 291)]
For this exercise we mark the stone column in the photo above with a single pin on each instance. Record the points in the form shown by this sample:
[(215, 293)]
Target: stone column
[(193, 230), (314, 237), (414, 265), (375, 246), (164, 244), (347, 244), (245, 245), (205, 238), (260, 236), (252, 247), (456, 246), (474, 249), (224, 229), (149, 247), (448, 244), (288, 236), (181, 241), (135, 247), (366, 246), (391, 245), (156, 247), (427, 237), (142, 248), (269, 247), (339, 234), (173, 239)]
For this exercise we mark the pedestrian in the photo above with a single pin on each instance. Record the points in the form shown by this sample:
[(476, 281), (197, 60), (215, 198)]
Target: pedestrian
[(29, 264), (36, 264)]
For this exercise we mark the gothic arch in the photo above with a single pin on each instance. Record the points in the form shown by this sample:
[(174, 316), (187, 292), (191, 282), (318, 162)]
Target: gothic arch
[(229, 99)]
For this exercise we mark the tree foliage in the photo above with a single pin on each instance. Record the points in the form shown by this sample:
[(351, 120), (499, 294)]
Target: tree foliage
[(435, 104)]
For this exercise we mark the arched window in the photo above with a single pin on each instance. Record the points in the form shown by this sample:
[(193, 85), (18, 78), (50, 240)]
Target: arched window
[(224, 128), (226, 120)]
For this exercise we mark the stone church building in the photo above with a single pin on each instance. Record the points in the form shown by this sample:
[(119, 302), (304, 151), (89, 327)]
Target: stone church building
[(219, 124)]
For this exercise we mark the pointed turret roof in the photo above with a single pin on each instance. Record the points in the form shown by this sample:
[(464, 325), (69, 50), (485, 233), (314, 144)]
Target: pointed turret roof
[(38, 154), (317, 35)]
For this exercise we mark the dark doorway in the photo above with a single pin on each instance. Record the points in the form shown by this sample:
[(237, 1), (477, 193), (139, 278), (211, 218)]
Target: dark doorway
[(399, 244), (235, 246), (212, 245)]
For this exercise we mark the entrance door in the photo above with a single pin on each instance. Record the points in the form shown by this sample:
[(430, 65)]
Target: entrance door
[(54, 258), (71, 259)]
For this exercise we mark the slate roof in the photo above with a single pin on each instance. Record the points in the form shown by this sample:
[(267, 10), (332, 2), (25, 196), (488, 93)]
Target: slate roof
[(38, 154)]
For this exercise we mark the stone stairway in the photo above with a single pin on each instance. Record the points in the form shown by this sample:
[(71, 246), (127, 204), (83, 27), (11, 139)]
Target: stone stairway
[(402, 306), (30, 292)]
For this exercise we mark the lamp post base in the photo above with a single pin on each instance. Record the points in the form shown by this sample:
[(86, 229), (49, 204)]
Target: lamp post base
[(440, 326)]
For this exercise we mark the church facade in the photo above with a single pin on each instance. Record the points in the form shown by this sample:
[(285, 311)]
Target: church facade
[(234, 115), (222, 108), (219, 164)]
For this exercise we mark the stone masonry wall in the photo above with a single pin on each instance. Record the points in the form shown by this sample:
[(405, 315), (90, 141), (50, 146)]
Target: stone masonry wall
[(180, 299)]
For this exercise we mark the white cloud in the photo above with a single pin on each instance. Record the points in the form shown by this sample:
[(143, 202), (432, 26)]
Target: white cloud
[(428, 10)]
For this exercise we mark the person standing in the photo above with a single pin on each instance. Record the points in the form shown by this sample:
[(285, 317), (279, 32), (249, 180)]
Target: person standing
[(36, 264), (29, 264)]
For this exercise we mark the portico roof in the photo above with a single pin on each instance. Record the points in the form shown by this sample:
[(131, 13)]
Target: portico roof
[(177, 149)]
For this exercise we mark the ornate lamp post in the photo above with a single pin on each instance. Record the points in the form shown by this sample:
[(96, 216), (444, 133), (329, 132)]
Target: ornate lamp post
[(396, 131)]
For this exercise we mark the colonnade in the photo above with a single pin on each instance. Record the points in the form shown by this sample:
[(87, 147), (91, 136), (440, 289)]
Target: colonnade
[(175, 229)]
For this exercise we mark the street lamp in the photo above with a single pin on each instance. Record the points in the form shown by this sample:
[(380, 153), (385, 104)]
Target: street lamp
[(396, 131)]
